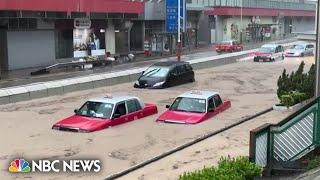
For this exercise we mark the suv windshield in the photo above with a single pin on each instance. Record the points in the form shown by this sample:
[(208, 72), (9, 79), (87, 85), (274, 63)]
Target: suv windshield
[(96, 109), (189, 105), (156, 71)]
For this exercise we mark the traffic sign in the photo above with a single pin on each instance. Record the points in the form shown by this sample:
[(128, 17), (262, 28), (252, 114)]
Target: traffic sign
[(172, 15)]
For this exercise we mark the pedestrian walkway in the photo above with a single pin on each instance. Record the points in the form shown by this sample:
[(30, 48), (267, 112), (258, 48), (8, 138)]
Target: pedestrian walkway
[(22, 77)]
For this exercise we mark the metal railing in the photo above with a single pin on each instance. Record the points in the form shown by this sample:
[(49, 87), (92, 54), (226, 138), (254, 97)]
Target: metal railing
[(286, 142)]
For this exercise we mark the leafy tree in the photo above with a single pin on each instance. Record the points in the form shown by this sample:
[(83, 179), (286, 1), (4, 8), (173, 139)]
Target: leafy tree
[(296, 87)]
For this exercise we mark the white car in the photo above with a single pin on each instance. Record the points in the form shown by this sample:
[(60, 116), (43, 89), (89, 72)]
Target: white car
[(300, 50)]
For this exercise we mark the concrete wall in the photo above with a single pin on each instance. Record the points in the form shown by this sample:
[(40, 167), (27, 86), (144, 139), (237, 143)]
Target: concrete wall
[(155, 11), (303, 24), (204, 29), (110, 38), (219, 28), (30, 49)]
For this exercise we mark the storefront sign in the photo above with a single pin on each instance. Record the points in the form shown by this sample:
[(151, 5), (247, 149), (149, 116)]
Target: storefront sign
[(82, 23)]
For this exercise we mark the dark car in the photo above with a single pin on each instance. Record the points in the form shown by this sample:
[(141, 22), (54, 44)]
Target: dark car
[(166, 74)]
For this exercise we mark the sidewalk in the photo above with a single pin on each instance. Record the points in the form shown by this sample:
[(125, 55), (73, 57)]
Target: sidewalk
[(22, 77)]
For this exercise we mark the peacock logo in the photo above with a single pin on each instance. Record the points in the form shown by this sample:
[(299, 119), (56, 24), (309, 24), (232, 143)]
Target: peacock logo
[(19, 165)]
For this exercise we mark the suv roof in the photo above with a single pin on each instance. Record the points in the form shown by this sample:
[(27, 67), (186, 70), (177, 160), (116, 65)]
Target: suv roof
[(170, 63)]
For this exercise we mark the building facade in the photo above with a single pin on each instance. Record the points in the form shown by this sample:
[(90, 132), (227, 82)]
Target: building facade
[(37, 32), (255, 20)]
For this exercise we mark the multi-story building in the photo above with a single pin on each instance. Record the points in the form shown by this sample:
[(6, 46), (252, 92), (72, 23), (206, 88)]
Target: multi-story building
[(259, 19), (210, 21), (37, 32)]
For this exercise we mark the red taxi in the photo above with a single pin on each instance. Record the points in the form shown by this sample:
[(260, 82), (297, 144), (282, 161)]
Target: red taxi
[(194, 107), (100, 113), (228, 46)]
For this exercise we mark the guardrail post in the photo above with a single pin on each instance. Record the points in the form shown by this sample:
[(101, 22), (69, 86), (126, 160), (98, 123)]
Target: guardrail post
[(269, 152), (317, 124)]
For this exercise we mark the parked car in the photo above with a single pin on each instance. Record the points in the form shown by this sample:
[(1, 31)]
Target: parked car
[(228, 46), (269, 53), (100, 113), (166, 74), (194, 107), (300, 50)]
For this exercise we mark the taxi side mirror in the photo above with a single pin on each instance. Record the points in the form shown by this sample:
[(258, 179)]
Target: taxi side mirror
[(167, 106), (76, 111)]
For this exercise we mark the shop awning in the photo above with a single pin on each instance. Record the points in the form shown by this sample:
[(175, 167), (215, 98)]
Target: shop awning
[(236, 11), (88, 6)]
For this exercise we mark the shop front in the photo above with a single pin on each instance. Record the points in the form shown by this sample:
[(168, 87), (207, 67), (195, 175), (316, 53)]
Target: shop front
[(88, 38)]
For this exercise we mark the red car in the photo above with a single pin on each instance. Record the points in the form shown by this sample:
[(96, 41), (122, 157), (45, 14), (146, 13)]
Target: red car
[(269, 53), (100, 113), (228, 46), (194, 107)]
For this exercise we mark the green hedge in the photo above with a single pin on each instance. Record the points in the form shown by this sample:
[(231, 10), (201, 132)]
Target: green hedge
[(228, 168), (314, 163), (292, 98), (298, 86)]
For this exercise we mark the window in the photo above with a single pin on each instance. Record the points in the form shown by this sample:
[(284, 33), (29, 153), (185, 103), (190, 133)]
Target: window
[(156, 71), (217, 100), (133, 105), (310, 46), (96, 109), (282, 49), (211, 105), (180, 69), (189, 105), (121, 109), (188, 67)]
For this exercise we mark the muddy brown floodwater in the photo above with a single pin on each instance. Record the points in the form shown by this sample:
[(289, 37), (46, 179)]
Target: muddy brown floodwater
[(251, 87)]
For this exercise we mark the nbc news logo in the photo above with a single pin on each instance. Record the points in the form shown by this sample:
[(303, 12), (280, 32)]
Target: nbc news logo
[(23, 166)]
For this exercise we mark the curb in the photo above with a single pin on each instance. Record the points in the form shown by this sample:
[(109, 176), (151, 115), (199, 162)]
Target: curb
[(179, 148)]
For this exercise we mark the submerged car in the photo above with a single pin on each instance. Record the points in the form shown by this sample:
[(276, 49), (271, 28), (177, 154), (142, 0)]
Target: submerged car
[(194, 107), (300, 50), (100, 113), (269, 53), (166, 74), (228, 46)]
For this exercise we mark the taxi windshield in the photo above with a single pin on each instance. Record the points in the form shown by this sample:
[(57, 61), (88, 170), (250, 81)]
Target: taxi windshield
[(96, 109), (266, 50), (156, 71), (189, 105), (298, 47)]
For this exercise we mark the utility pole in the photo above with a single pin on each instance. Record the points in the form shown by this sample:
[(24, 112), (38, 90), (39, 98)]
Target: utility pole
[(179, 31), (317, 90), (241, 22)]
